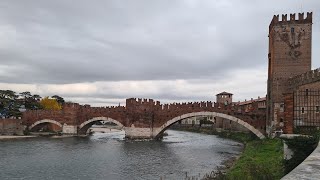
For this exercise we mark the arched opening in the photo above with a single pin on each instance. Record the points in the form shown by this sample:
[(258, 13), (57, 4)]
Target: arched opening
[(211, 114), (103, 122), (46, 126)]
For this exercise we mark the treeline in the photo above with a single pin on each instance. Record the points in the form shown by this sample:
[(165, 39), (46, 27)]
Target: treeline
[(12, 104)]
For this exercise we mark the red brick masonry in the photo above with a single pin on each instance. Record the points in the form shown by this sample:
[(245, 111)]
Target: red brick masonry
[(143, 113)]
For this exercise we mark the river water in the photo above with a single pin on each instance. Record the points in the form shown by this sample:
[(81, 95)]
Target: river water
[(109, 156)]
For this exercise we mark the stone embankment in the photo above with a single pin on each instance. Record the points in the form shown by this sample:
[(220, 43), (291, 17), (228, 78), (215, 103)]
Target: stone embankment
[(308, 169), (104, 130)]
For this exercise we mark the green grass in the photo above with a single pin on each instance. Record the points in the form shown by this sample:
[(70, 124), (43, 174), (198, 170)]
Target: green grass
[(261, 159)]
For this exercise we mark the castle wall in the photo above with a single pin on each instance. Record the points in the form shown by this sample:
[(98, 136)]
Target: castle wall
[(304, 81)]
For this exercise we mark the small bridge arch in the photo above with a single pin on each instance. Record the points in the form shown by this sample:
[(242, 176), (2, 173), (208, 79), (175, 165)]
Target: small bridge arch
[(45, 121), (83, 128), (214, 114)]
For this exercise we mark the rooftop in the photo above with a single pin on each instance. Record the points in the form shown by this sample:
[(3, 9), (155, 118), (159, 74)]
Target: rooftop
[(251, 101), (224, 93)]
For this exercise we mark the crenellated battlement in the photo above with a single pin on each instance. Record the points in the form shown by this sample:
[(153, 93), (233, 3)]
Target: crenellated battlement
[(70, 105), (151, 104), (292, 19), (140, 101), (305, 78)]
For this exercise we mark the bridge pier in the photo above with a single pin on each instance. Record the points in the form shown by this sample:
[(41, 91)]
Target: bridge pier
[(141, 133), (69, 129), (130, 132)]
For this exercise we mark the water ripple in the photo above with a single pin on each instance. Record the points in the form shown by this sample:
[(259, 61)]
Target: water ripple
[(110, 156)]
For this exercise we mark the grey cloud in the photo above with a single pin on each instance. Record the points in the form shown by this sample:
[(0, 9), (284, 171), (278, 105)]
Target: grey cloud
[(63, 42), (66, 42)]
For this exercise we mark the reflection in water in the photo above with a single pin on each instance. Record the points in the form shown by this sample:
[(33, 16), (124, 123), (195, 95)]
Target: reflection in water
[(109, 156)]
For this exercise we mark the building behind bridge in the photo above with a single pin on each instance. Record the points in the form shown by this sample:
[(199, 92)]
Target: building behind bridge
[(220, 124)]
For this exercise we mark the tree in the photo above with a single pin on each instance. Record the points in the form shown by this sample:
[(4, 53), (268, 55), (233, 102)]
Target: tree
[(9, 106), (36, 97), (33, 102), (50, 104), (26, 94), (30, 101), (59, 99), (8, 94)]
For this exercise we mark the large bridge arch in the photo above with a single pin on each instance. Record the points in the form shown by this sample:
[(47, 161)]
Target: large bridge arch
[(43, 121), (214, 114), (83, 127)]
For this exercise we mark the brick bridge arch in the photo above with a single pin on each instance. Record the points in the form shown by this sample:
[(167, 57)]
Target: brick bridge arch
[(166, 125), (44, 121), (83, 127)]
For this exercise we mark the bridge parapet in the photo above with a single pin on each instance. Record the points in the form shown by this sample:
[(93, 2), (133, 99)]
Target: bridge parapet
[(29, 117)]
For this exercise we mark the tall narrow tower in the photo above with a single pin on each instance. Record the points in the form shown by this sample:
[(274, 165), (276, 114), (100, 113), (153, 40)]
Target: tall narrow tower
[(289, 55)]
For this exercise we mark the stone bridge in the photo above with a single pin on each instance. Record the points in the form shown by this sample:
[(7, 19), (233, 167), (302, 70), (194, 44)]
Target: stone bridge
[(143, 118)]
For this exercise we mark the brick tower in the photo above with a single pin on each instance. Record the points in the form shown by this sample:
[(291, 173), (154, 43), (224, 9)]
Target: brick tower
[(224, 98), (289, 55)]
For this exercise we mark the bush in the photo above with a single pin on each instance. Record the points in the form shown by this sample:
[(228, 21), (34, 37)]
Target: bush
[(26, 132), (302, 147)]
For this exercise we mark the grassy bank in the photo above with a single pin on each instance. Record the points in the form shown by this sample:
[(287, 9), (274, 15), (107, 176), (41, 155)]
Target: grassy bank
[(261, 159)]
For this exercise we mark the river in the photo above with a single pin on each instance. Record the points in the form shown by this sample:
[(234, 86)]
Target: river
[(109, 156)]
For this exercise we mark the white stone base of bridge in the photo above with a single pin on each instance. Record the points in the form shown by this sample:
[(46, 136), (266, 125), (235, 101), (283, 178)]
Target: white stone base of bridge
[(69, 130), (141, 133)]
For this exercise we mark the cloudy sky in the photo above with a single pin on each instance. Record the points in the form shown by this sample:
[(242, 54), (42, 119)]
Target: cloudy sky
[(102, 52)]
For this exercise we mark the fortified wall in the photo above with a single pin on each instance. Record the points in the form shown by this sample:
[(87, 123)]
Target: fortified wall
[(302, 102), (143, 114), (310, 79)]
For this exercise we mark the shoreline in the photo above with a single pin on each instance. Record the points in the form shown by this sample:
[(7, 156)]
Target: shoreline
[(222, 170), (10, 137), (260, 159), (18, 137), (227, 164)]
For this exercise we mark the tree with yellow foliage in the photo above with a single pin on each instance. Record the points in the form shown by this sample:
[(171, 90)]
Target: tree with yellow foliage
[(50, 104)]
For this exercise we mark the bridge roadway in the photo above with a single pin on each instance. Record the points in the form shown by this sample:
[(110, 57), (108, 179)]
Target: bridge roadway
[(143, 118)]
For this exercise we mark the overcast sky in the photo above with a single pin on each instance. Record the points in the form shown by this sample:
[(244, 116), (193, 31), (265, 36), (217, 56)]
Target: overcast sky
[(102, 52)]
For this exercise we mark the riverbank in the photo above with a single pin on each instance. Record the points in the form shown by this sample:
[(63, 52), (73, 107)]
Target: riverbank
[(260, 159), (15, 137), (54, 135)]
